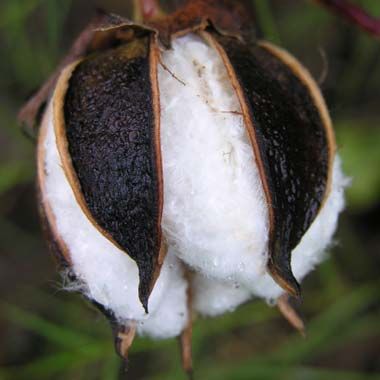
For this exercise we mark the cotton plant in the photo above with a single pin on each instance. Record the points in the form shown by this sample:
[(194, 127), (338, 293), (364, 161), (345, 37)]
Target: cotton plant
[(185, 167)]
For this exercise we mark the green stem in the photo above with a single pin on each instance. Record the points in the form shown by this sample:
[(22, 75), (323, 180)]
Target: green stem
[(267, 21)]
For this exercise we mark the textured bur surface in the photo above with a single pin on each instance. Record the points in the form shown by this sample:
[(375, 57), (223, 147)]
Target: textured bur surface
[(110, 127), (292, 145)]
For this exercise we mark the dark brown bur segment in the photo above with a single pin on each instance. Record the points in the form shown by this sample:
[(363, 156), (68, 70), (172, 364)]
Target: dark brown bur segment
[(291, 147), (112, 131)]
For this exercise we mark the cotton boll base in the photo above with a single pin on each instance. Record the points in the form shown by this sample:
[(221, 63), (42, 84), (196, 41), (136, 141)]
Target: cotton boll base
[(215, 297), (105, 273), (172, 315)]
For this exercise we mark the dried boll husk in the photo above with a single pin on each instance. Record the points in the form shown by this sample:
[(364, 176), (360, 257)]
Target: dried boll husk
[(106, 120), (185, 144)]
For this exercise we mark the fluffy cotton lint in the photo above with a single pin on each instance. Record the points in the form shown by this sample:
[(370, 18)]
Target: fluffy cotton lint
[(215, 212), (105, 273), (172, 315), (214, 205), (213, 297)]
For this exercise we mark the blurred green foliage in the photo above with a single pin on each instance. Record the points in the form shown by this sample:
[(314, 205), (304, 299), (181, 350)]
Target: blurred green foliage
[(54, 336)]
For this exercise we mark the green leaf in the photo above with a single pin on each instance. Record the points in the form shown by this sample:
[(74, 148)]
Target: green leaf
[(358, 144), (14, 173), (329, 328), (266, 21), (54, 333)]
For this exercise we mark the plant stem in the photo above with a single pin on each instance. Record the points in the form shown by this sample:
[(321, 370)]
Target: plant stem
[(354, 14)]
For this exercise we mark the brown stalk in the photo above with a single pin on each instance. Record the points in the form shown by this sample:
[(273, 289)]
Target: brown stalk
[(290, 314), (185, 339)]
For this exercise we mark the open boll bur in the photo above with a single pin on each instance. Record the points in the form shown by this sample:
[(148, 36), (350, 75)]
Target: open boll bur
[(185, 167)]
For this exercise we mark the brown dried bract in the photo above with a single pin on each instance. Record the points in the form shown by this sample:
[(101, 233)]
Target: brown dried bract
[(124, 337), (226, 16), (290, 314)]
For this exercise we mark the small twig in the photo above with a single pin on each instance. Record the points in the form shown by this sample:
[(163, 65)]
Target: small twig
[(170, 72), (354, 14), (325, 66)]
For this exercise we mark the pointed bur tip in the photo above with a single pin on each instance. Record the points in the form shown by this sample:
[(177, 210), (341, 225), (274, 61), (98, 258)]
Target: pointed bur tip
[(144, 296), (144, 299), (286, 279)]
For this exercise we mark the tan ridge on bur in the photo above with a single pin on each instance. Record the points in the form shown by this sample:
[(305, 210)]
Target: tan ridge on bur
[(305, 77), (154, 58)]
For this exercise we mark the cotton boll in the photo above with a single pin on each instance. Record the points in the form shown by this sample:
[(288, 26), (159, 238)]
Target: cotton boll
[(215, 297), (215, 213), (215, 216), (109, 276), (171, 316)]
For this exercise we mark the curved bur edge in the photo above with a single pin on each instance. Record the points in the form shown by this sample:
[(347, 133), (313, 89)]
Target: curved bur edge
[(290, 131), (106, 120)]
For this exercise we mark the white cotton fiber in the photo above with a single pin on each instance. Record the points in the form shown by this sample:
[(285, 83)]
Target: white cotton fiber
[(215, 212), (214, 206), (215, 297), (109, 276), (171, 317)]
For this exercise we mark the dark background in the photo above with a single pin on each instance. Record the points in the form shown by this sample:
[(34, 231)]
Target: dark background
[(46, 333)]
